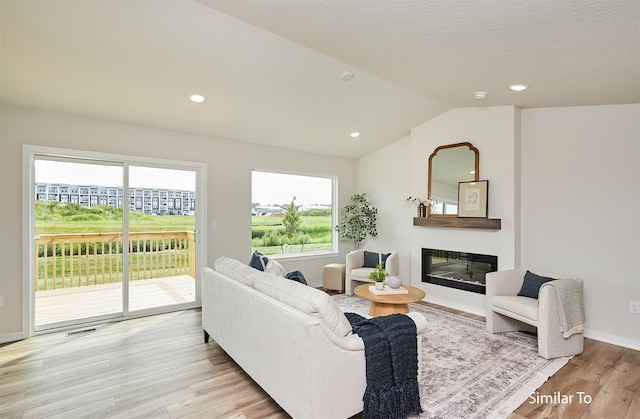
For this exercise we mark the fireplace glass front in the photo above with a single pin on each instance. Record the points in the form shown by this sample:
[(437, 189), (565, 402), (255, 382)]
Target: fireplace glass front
[(461, 270)]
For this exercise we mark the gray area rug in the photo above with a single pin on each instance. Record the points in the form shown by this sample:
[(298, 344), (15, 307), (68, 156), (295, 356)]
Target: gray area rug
[(468, 372)]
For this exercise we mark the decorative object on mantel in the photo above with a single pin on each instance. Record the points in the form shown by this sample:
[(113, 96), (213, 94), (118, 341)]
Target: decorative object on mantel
[(358, 220), (472, 199), (422, 204)]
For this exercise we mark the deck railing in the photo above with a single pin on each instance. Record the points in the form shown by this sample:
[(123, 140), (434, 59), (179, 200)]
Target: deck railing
[(76, 260)]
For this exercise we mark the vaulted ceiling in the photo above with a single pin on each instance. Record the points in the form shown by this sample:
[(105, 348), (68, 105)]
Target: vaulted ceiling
[(272, 71)]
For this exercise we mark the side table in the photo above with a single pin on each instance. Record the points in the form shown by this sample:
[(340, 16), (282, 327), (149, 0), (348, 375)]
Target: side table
[(333, 276)]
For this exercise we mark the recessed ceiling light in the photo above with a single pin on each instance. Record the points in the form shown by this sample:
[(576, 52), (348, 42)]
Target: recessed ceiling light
[(355, 134), (346, 76), (197, 98), (480, 95), (518, 87)]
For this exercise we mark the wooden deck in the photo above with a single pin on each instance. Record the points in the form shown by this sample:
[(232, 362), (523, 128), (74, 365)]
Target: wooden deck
[(53, 306)]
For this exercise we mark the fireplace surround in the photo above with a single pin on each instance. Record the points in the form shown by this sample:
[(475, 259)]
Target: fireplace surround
[(461, 270)]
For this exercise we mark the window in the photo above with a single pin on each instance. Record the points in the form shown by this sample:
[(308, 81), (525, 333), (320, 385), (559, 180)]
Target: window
[(291, 214)]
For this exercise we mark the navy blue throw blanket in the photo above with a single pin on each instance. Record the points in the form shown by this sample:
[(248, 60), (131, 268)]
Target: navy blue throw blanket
[(391, 355)]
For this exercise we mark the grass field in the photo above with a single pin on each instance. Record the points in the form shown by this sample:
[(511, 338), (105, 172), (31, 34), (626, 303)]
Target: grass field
[(268, 233), (61, 218), (77, 264), (85, 263)]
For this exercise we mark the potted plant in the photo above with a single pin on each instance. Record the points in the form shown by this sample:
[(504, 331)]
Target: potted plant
[(358, 220), (378, 275)]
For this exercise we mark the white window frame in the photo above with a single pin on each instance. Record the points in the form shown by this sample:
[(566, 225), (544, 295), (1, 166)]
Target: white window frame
[(29, 153), (334, 215)]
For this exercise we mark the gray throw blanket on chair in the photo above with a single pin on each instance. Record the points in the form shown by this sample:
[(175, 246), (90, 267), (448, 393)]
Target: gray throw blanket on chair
[(570, 305), (391, 355)]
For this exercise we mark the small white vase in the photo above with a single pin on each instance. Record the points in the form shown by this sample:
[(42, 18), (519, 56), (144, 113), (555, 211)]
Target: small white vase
[(379, 285), (393, 281)]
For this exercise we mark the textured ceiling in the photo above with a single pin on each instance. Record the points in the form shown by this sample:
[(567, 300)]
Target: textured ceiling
[(568, 51), (271, 69)]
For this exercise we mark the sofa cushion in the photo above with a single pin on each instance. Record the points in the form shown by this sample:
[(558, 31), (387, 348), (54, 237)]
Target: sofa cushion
[(371, 259), (361, 273), (235, 270), (306, 299), (523, 306), (531, 285)]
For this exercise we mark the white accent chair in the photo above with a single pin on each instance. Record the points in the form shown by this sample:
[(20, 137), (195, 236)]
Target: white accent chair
[(356, 272), (506, 311)]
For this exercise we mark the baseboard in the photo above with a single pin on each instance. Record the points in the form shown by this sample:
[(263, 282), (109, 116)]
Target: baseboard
[(11, 337), (456, 306), (315, 284), (613, 340)]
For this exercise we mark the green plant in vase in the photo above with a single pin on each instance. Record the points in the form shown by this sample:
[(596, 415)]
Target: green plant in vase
[(378, 275)]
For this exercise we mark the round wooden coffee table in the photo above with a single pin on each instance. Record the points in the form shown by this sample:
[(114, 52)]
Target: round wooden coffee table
[(381, 305)]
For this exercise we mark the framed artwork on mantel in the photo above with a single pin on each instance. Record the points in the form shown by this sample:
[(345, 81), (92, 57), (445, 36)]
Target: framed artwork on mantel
[(473, 199)]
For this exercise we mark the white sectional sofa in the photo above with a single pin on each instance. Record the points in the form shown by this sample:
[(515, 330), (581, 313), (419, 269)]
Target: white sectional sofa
[(293, 340)]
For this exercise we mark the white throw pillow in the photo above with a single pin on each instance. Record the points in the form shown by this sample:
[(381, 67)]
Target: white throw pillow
[(274, 267)]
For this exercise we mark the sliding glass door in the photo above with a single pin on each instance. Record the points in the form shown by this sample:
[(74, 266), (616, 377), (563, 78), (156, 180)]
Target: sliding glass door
[(78, 258), (162, 228), (112, 239)]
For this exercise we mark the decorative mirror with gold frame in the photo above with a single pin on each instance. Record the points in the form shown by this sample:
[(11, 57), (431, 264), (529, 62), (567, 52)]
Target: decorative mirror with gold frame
[(448, 165)]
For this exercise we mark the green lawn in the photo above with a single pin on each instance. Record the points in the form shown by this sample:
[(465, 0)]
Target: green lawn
[(92, 266), (61, 218), (268, 234)]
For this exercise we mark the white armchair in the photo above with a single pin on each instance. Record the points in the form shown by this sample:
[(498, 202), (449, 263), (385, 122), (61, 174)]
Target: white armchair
[(506, 311), (356, 271)]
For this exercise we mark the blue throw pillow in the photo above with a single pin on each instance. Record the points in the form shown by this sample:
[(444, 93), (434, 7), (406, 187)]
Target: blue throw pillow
[(296, 276), (258, 261), (531, 285), (371, 259)]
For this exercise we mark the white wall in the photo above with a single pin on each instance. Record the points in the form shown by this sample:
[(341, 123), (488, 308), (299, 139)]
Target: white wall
[(494, 132), (228, 194), (581, 208), (398, 171), (573, 180), (564, 181), (385, 176)]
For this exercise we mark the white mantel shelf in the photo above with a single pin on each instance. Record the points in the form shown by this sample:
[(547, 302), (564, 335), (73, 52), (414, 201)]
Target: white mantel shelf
[(455, 222)]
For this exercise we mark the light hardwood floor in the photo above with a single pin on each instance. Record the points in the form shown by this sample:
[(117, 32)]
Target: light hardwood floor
[(159, 367)]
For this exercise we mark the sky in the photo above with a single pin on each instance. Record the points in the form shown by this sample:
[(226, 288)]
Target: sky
[(97, 174), (278, 188), (267, 187)]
